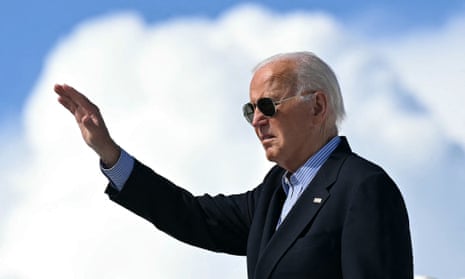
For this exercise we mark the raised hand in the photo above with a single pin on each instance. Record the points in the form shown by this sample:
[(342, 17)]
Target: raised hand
[(90, 121)]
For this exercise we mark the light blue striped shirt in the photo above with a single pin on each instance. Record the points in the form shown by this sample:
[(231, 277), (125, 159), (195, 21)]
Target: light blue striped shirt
[(296, 184), (120, 172)]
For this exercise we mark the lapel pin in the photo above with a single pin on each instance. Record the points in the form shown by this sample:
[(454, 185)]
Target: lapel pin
[(317, 200)]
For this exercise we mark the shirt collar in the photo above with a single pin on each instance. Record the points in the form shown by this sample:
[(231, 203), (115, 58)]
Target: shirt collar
[(304, 175)]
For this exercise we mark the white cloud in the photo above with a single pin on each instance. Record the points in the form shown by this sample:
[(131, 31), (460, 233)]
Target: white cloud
[(432, 63), (171, 94)]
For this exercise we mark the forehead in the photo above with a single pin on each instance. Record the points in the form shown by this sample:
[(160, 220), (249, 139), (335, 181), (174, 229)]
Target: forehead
[(273, 79)]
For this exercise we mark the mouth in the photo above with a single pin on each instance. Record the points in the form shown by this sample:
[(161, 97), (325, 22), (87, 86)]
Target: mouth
[(266, 138)]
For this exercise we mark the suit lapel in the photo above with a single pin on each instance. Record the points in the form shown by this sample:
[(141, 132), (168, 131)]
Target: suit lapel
[(300, 216), (272, 217)]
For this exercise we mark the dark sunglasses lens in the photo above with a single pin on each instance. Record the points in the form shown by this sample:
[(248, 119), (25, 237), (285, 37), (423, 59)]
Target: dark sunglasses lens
[(248, 111), (266, 106)]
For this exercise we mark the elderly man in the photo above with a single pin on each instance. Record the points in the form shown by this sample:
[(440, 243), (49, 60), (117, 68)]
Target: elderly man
[(321, 212)]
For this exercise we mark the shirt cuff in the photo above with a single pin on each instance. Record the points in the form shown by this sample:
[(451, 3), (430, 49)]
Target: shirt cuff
[(120, 172)]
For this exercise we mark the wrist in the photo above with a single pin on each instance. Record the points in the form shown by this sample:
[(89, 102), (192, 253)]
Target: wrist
[(110, 155)]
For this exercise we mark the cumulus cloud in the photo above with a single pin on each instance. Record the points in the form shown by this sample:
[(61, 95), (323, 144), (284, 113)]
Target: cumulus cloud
[(171, 95)]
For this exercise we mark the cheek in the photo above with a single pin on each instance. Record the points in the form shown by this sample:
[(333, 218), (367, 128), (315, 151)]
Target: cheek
[(287, 131)]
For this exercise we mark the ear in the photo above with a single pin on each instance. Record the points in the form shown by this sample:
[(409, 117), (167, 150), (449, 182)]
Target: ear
[(320, 106)]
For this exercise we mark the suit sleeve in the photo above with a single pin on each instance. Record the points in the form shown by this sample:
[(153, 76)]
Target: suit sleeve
[(376, 238), (220, 223)]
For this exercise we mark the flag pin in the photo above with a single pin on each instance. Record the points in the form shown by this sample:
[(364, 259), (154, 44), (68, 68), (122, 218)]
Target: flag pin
[(317, 200)]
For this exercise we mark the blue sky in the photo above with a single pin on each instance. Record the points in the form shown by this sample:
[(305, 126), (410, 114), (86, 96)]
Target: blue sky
[(30, 28), (400, 64)]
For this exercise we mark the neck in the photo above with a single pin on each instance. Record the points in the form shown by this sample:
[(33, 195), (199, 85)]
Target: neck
[(297, 161)]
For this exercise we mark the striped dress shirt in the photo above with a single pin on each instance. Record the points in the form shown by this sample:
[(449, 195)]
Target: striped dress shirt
[(295, 184)]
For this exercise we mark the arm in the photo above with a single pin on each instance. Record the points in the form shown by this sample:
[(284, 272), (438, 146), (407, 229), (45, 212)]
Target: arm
[(216, 223), (220, 223), (376, 238)]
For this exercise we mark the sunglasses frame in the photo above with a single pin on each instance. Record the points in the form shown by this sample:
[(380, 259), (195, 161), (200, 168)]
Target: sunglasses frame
[(248, 110)]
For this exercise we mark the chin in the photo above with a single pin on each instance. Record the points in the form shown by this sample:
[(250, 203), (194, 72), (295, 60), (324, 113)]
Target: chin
[(271, 155)]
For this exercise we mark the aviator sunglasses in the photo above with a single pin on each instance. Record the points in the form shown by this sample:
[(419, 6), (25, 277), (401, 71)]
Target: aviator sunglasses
[(267, 106)]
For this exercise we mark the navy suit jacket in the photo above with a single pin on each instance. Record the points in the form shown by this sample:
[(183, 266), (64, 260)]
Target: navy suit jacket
[(350, 222)]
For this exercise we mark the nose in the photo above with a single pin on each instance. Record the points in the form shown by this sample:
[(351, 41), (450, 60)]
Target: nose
[(259, 118)]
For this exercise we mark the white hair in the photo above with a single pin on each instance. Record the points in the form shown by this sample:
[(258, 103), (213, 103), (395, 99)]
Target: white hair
[(312, 73)]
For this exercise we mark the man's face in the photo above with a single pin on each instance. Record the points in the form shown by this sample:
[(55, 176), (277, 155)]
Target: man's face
[(287, 136)]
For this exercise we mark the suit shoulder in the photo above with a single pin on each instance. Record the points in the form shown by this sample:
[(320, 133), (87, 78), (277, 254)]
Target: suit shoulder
[(357, 169), (360, 164)]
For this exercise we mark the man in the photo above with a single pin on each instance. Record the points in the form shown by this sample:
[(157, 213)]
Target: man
[(321, 212)]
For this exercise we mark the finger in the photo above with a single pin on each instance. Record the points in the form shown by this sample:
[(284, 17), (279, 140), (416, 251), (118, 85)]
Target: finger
[(64, 98), (73, 100), (73, 95), (67, 103), (58, 88), (77, 97)]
